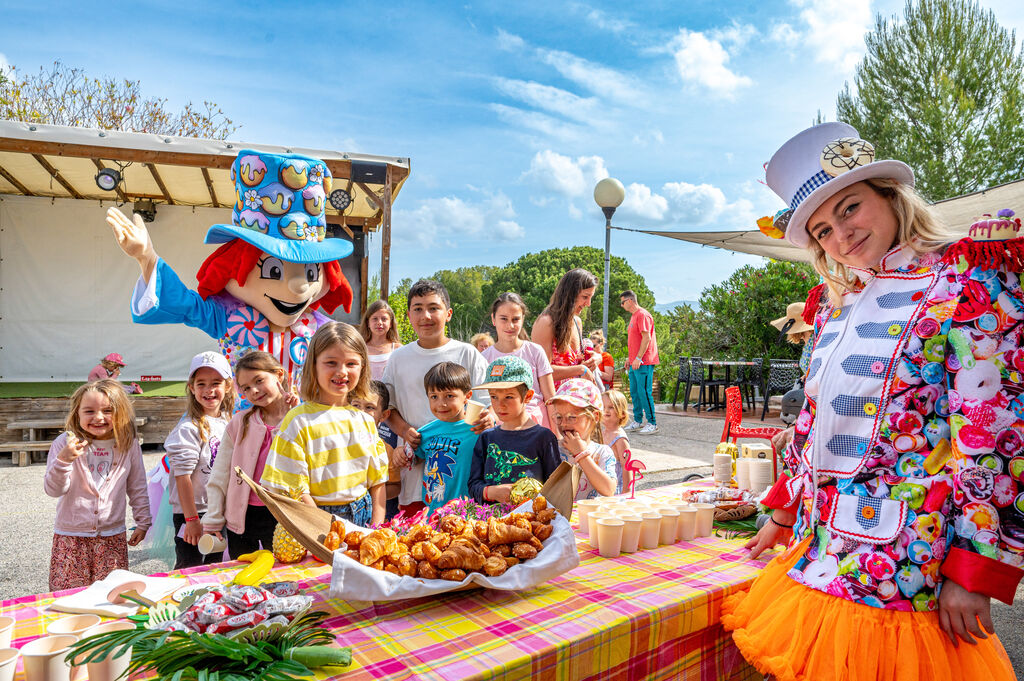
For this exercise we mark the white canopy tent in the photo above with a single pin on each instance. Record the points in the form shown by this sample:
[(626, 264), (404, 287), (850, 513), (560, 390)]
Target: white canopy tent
[(958, 212)]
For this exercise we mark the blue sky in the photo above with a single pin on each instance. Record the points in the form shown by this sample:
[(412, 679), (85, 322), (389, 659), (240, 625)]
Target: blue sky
[(510, 112)]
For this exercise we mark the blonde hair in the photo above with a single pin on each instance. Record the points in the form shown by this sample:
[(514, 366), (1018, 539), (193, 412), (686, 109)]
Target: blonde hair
[(124, 415), (595, 416), (364, 324), (597, 337), (917, 227), (481, 336), (325, 337), (197, 414), (618, 402), (257, 360)]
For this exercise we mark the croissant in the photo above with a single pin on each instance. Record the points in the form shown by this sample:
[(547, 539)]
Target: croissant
[(452, 524), (353, 539), (397, 551), (392, 569), (418, 533), (431, 553), (546, 516), (539, 503), (511, 560), (353, 554), (542, 531), (521, 522), (426, 570), (495, 566), (372, 549), (332, 541), (441, 540), (339, 527), (501, 550), (535, 543), (480, 529), (524, 551), (453, 575), (460, 556), (407, 565), (500, 533)]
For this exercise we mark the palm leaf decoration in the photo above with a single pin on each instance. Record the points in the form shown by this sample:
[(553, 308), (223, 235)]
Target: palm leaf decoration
[(189, 656)]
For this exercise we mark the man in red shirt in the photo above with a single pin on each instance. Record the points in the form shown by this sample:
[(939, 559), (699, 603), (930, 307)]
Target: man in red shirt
[(642, 344)]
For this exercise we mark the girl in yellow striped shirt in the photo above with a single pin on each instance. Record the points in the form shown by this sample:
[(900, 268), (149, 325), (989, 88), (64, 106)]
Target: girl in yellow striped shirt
[(325, 449)]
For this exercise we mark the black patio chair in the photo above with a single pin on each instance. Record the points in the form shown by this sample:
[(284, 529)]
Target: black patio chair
[(682, 376), (753, 381), (708, 387), (782, 375)]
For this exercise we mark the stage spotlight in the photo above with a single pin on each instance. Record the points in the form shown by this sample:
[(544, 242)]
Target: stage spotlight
[(108, 179)]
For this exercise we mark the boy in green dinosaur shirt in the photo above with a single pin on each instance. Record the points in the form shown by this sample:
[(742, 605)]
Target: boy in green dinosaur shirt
[(518, 447)]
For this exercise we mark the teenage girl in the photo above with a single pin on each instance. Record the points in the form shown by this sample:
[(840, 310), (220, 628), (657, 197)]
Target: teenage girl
[(508, 314), (91, 468), (380, 332), (261, 380), (577, 413), (613, 417), (192, 450), (327, 450)]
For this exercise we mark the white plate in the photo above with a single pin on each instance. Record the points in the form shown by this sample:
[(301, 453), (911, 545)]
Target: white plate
[(184, 591)]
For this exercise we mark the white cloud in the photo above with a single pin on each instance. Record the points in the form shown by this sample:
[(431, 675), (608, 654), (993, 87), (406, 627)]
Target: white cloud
[(509, 42), (785, 35), (5, 65), (596, 78), (736, 36), (641, 202), (550, 98), (535, 120), (606, 22), (702, 61), (686, 205), (563, 175), (834, 29), (450, 216)]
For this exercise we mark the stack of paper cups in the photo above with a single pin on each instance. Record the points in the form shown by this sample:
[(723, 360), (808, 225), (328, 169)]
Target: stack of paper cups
[(723, 468), (584, 507), (743, 473), (760, 475)]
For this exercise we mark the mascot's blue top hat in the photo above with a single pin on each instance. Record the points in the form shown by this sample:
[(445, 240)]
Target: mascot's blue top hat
[(279, 207)]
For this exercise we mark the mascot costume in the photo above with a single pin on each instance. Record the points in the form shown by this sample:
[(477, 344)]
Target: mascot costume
[(262, 288)]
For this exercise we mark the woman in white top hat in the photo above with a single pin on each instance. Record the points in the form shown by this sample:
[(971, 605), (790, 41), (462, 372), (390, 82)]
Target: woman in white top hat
[(905, 476)]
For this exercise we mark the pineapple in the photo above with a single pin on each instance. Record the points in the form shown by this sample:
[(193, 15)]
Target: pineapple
[(286, 548)]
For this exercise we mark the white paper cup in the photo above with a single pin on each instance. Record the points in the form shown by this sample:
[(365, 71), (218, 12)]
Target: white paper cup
[(669, 521), (112, 667), (743, 473), (209, 543), (473, 410), (8, 663), (688, 523), (6, 630), (584, 507), (705, 519), (595, 538), (650, 530), (74, 625), (631, 526), (609, 537), (44, 658)]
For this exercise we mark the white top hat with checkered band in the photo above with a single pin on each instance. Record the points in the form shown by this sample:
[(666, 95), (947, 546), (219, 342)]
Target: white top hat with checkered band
[(817, 163)]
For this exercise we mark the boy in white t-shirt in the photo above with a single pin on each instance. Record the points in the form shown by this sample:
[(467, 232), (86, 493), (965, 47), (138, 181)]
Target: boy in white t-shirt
[(429, 310)]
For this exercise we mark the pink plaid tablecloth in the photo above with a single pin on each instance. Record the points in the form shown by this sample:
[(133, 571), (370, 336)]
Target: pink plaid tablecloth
[(647, 615)]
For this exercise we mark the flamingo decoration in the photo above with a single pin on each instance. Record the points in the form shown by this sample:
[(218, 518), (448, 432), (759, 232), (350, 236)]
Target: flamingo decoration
[(632, 467)]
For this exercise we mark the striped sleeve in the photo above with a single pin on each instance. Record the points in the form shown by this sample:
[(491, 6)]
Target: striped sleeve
[(286, 467), (377, 473)]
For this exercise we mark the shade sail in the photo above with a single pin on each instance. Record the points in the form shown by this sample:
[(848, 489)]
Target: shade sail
[(958, 213)]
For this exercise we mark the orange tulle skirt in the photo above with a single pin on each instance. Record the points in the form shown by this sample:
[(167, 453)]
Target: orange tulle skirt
[(799, 634)]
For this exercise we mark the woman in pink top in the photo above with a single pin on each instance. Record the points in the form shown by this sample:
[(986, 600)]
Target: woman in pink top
[(507, 314), (380, 331), (559, 330), (91, 469), (245, 444)]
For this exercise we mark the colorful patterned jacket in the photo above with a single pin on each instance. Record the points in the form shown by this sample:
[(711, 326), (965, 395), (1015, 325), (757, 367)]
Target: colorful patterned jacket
[(913, 429)]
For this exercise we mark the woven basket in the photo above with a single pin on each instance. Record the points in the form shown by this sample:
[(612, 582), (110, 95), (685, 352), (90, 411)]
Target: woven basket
[(734, 513)]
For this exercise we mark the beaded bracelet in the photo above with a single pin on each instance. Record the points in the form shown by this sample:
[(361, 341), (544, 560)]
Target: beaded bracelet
[(188, 520), (772, 518)]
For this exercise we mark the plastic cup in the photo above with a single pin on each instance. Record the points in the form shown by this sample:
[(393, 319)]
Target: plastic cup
[(669, 522), (688, 523), (632, 524), (584, 507), (743, 473), (650, 530), (705, 519), (112, 667), (473, 410), (609, 537), (8, 663), (44, 658), (595, 538), (209, 543), (6, 630)]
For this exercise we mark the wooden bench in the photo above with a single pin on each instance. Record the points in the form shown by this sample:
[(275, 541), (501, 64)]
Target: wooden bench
[(20, 451)]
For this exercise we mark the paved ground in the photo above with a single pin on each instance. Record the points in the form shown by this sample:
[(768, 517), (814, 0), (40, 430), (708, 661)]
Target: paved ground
[(683, 446)]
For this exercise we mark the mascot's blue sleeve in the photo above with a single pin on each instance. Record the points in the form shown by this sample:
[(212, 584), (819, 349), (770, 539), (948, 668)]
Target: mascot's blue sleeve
[(168, 301)]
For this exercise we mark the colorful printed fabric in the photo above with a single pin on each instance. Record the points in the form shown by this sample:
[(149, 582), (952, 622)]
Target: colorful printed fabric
[(77, 562), (916, 421), (647, 615)]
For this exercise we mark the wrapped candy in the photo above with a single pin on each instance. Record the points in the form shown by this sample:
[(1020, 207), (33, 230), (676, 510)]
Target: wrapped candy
[(281, 589), (245, 619), (243, 598), (214, 612), (525, 488), (208, 598), (284, 606)]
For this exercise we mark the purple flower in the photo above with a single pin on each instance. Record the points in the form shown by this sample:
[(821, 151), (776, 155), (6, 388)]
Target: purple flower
[(1005, 213)]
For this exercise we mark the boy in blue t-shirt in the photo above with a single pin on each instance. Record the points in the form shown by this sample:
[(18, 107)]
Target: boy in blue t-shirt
[(447, 442), (518, 448)]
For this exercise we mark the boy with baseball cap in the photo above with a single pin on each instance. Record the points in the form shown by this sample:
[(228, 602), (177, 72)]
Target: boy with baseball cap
[(517, 447)]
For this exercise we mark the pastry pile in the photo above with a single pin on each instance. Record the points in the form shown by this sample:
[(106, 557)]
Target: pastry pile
[(457, 547)]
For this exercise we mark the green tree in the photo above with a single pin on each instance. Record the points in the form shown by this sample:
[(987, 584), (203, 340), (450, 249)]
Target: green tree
[(535, 275), (397, 301), (470, 311), (67, 96), (942, 90)]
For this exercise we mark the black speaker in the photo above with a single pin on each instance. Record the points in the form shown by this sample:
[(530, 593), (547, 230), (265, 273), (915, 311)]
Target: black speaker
[(369, 172)]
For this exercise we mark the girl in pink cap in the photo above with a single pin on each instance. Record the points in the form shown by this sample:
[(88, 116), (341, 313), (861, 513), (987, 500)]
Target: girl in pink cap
[(110, 367), (577, 413)]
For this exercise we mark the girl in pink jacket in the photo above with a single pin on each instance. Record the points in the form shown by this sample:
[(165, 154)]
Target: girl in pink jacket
[(261, 381), (91, 469)]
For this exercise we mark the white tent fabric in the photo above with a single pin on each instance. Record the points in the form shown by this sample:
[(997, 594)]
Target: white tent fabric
[(958, 213), (65, 288)]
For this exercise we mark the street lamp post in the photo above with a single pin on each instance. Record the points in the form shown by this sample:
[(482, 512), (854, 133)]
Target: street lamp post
[(609, 194)]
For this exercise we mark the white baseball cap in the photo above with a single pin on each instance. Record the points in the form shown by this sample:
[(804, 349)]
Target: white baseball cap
[(214, 360)]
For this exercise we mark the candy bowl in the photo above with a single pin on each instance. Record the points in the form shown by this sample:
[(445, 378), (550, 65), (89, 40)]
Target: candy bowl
[(269, 630)]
